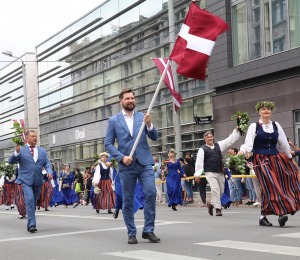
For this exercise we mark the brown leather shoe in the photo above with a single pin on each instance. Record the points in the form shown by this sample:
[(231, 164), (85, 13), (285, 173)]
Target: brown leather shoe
[(210, 209), (218, 212)]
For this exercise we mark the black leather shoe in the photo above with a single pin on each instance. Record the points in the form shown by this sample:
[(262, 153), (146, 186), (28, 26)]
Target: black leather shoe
[(218, 212), (110, 212), (75, 205), (151, 237), (116, 213), (46, 209), (31, 229), (132, 240), (174, 208), (282, 220), (265, 222), (210, 209), (97, 210)]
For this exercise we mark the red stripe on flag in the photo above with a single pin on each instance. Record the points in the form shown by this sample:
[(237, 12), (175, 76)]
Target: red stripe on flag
[(161, 63)]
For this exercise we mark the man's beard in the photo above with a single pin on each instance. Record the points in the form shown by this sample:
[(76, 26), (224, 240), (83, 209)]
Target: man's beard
[(129, 107)]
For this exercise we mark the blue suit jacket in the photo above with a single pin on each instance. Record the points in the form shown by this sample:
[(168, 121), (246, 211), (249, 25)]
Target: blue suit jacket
[(118, 131), (30, 172)]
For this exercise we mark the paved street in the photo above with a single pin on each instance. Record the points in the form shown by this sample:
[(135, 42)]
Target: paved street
[(190, 233)]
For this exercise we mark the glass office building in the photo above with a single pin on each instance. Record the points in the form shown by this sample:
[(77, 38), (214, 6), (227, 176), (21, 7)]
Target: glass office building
[(83, 68), (258, 60), (18, 99)]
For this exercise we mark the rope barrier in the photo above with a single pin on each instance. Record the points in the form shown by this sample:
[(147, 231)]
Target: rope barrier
[(203, 177)]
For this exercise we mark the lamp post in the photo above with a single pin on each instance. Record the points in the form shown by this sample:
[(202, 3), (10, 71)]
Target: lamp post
[(10, 54)]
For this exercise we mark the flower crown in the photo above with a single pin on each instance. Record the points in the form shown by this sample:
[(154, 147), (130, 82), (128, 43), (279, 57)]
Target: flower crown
[(267, 104)]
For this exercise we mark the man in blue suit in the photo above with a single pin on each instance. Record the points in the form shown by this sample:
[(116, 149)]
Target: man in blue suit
[(31, 159), (124, 128)]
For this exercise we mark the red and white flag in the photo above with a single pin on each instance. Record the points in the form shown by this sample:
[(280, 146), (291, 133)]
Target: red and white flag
[(195, 42), (161, 63), (22, 124)]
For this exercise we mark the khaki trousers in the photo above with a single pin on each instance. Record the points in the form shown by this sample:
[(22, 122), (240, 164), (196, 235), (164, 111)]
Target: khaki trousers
[(216, 182)]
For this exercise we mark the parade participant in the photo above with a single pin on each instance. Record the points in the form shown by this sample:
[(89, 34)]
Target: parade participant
[(273, 166), (66, 179), (209, 161), (173, 180), (46, 192), (9, 191), (157, 175), (103, 180), (56, 198), (124, 128), (31, 159), (20, 200)]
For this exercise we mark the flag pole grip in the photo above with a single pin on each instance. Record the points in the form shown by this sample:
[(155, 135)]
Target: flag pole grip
[(150, 108)]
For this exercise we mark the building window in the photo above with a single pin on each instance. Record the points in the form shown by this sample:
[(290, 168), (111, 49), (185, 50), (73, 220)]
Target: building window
[(260, 28)]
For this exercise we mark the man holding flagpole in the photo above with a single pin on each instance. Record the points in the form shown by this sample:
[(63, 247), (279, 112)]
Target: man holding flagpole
[(124, 129)]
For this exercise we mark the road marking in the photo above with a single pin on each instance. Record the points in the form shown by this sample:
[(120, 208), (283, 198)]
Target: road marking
[(256, 247), (293, 235), (99, 217), (150, 255), (163, 223)]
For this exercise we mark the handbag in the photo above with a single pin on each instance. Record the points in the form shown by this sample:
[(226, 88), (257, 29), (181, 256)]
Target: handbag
[(66, 185)]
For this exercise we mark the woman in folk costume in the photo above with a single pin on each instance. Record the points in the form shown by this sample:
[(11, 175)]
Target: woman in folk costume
[(19, 198), (56, 198), (9, 191), (273, 166), (66, 182), (104, 195), (173, 180), (46, 192), (1, 189)]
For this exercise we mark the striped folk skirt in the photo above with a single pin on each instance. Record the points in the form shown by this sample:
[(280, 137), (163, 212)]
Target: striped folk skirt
[(20, 201), (45, 195), (106, 198), (280, 184), (8, 194)]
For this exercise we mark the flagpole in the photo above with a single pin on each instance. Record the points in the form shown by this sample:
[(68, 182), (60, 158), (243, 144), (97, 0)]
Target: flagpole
[(150, 107), (176, 115)]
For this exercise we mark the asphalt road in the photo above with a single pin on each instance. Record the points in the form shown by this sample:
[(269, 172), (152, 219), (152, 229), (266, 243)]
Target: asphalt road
[(190, 233)]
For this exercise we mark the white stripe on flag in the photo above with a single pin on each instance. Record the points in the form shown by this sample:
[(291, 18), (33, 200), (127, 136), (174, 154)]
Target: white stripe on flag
[(196, 43)]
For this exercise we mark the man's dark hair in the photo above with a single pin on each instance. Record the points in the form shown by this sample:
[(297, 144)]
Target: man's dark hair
[(181, 160), (30, 131), (124, 91)]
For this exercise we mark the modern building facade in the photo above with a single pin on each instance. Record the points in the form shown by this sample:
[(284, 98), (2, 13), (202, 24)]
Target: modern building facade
[(18, 99), (83, 68), (259, 59)]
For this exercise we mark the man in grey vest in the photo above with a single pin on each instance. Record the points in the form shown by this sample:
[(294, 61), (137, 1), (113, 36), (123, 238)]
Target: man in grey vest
[(209, 162)]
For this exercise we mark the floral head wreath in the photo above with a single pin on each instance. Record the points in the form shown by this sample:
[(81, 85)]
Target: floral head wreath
[(104, 154), (267, 104)]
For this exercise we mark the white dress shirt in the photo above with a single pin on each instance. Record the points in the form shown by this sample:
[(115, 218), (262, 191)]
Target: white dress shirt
[(35, 152), (129, 122)]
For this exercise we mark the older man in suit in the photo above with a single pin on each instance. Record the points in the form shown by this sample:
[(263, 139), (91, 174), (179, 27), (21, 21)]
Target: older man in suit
[(31, 159), (124, 128)]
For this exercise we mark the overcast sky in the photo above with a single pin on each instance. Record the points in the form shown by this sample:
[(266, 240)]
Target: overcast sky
[(25, 24)]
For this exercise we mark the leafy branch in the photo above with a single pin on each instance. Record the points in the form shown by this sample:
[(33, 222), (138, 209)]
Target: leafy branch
[(17, 139)]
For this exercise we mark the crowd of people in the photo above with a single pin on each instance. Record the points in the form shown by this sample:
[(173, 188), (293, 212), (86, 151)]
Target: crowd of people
[(121, 181)]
